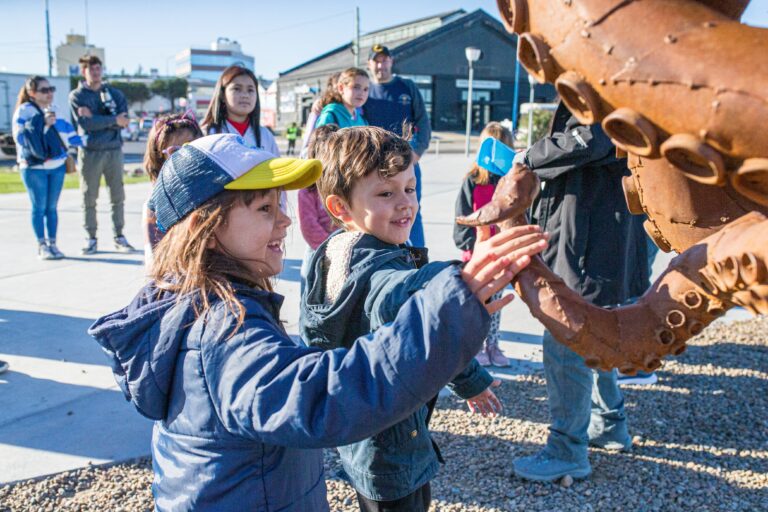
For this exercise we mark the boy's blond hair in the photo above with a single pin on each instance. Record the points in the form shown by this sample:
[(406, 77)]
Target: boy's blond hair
[(351, 154)]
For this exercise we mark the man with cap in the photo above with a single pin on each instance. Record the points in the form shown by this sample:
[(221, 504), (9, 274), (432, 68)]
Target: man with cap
[(392, 101)]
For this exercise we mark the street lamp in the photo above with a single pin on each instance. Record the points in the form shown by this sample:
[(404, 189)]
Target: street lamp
[(532, 82), (473, 54)]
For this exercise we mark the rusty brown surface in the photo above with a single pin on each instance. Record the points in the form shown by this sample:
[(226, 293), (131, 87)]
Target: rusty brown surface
[(682, 87), (688, 82), (717, 272)]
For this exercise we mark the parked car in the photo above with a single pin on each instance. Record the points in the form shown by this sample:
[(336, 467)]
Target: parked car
[(131, 132), (145, 124), (7, 146)]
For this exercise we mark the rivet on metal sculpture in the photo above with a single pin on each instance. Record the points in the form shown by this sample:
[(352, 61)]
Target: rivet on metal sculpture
[(685, 94)]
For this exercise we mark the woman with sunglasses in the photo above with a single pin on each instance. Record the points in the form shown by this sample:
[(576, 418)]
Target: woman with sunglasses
[(42, 140), (167, 135)]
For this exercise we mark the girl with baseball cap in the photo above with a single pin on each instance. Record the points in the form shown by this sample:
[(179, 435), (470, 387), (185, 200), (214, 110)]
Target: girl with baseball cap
[(241, 409)]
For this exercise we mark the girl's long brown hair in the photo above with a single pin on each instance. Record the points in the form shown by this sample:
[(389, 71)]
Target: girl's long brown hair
[(216, 115), (498, 132), (185, 263), (346, 77), (160, 135), (31, 84)]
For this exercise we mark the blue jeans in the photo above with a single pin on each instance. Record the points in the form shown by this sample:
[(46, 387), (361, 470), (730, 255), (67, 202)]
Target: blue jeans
[(44, 187), (583, 403), (417, 230)]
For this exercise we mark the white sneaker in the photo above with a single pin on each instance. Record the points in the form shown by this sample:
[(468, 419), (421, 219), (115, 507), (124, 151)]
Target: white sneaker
[(122, 245), (90, 246), (640, 378), (44, 252), (57, 254)]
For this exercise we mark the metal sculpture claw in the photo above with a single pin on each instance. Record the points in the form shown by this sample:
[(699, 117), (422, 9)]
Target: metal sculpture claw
[(685, 94)]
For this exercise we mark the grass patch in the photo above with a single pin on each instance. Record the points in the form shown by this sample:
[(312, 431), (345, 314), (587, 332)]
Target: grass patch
[(10, 182)]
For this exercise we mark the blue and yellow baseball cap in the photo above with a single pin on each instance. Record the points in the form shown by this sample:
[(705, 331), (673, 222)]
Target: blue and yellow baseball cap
[(378, 49), (209, 165)]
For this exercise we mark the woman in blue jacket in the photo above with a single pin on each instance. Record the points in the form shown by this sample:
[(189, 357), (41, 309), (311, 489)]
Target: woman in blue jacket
[(241, 408), (42, 140)]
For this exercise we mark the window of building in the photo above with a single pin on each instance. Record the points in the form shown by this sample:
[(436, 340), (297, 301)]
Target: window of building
[(476, 95)]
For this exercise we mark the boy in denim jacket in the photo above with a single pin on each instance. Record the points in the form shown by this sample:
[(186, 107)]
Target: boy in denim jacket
[(358, 279)]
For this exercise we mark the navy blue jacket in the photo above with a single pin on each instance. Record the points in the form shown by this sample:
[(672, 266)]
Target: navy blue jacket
[(240, 419), (396, 102), (399, 459), (35, 142), (100, 131)]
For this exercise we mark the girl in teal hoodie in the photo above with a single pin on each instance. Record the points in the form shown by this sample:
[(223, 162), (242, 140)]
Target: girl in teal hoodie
[(341, 105)]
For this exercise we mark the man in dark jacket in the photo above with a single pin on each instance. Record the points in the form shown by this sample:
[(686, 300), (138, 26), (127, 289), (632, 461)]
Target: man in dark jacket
[(599, 249), (392, 102), (100, 113)]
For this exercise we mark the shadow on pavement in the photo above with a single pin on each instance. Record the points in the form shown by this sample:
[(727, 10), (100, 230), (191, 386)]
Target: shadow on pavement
[(48, 336), (96, 259)]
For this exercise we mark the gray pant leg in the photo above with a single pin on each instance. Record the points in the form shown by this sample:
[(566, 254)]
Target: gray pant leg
[(90, 169), (113, 175)]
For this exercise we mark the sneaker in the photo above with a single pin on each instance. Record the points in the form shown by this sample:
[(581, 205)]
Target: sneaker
[(43, 252), (122, 245), (90, 246), (57, 254), (497, 357), (3, 367), (640, 378), (612, 445), (482, 358), (543, 467)]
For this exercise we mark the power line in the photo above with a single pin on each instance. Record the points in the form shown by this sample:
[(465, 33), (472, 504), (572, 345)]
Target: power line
[(296, 25)]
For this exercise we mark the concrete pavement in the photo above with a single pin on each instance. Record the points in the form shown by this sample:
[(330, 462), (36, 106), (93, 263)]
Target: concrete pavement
[(61, 406)]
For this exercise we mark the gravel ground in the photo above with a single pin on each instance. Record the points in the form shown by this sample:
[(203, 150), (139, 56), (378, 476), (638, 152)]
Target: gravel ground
[(700, 443)]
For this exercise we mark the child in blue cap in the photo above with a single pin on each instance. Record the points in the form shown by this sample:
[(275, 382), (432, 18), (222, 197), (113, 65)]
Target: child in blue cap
[(476, 191), (241, 409)]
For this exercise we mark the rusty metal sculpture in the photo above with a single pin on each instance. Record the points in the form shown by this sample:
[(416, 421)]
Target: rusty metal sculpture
[(682, 87)]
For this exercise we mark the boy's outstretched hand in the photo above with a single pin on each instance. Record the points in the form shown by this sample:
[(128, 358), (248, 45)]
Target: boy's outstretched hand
[(497, 260), (486, 402)]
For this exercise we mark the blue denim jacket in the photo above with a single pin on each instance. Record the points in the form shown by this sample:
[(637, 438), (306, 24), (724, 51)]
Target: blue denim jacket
[(240, 417), (400, 459)]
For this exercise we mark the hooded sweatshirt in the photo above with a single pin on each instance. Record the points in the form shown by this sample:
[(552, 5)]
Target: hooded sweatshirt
[(241, 414), (338, 114)]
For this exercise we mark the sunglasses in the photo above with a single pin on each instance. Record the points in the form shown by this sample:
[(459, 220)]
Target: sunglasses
[(46, 90)]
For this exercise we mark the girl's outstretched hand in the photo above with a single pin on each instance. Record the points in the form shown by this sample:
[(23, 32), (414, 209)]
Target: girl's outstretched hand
[(497, 260), (486, 403)]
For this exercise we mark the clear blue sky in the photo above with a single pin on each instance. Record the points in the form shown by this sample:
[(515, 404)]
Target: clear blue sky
[(279, 34)]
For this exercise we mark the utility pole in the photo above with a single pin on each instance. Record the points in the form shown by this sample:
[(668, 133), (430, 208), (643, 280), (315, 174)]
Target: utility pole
[(357, 37), (48, 38), (87, 34)]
